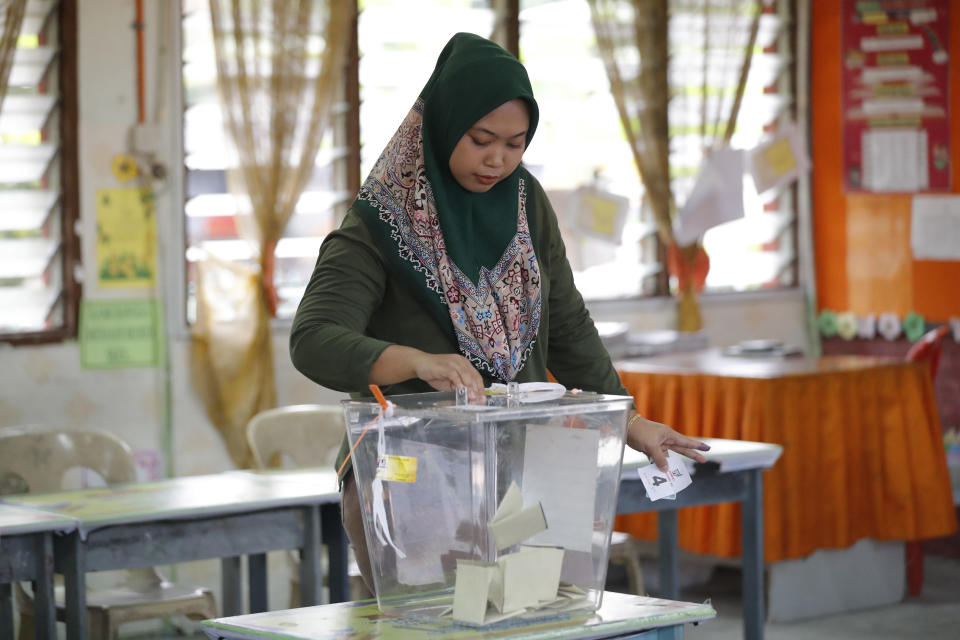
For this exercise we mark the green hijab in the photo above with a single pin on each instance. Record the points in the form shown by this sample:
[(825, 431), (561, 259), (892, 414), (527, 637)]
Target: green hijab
[(473, 77), (467, 256)]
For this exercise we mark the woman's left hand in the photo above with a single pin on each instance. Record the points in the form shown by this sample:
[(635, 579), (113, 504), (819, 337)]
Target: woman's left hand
[(655, 439)]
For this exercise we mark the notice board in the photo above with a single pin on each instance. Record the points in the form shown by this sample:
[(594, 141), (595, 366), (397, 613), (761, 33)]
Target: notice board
[(896, 111)]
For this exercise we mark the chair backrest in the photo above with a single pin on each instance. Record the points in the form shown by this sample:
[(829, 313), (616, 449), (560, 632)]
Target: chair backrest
[(36, 460), (928, 348), (40, 459), (309, 434)]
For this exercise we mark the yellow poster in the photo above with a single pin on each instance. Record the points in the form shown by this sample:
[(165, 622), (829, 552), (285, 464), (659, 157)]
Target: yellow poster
[(126, 238)]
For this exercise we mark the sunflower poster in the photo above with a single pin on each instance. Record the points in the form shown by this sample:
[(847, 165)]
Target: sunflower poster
[(126, 238)]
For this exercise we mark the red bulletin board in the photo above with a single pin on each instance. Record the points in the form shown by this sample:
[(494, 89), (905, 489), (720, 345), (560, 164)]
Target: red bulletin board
[(896, 112)]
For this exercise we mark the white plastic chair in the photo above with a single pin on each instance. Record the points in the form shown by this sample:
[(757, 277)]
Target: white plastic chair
[(34, 460), (298, 436)]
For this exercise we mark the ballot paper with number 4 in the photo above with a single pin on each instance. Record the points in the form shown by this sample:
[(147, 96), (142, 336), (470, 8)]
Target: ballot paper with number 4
[(665, 485)]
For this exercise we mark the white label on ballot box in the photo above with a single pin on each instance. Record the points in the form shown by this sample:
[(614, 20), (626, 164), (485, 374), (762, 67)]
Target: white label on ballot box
[(665, 485)]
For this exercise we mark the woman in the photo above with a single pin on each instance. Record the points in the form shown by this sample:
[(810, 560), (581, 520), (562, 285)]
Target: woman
[(449, 269)]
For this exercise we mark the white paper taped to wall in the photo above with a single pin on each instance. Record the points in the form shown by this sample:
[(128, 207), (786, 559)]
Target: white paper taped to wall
[(935, 228), (717, 196), (895, 160)]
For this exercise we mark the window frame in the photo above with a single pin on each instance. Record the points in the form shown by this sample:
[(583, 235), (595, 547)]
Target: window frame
[(177, 284), (788, 46), (509, 26), (71, 288)]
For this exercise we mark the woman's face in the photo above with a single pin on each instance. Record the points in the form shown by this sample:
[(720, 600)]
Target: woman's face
[(492, 148)]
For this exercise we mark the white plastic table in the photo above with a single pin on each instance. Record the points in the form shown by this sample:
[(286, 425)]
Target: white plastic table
[(620, 616), (226, 516), (26, 553), (733, 473)]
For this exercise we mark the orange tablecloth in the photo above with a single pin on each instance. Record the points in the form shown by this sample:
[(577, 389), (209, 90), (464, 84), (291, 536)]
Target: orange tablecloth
[(863, 450)]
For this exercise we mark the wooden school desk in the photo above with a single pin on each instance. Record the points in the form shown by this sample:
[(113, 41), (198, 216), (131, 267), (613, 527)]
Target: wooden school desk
[(26, 553), (863, 450), (226, 516), (733, 473), (620, 616)]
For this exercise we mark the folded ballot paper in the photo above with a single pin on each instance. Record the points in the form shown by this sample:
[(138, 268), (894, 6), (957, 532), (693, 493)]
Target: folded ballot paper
[(512, 524), (527, 579)]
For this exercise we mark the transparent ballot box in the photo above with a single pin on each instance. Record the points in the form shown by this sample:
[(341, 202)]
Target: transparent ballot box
[(481, 512)]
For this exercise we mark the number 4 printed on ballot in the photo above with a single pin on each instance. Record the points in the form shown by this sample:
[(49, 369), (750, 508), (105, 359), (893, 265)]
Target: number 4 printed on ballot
[(665, 485)]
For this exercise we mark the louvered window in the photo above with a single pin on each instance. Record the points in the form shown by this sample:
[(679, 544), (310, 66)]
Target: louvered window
[(38, 250), (581, 157), (398, 51), (759, 249), (211, 226), (579, 153)]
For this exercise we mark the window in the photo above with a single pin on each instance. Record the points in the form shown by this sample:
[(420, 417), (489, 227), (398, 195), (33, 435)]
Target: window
[(396, 55), (398, 51), (581, 157), (580, 127), (38, 182), (758, 250), (211, 226), (579, 153)]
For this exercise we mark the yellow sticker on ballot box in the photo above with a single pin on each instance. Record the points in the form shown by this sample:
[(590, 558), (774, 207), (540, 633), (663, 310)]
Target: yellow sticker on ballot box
[(397, 469)]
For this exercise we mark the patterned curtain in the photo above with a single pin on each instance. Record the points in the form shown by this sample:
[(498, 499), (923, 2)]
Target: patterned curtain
[(11, 12), (279, 67), (637, 41), (632, 38)]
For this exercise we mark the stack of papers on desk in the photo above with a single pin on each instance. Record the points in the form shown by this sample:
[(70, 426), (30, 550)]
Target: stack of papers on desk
[(652, 343), (762, 349)]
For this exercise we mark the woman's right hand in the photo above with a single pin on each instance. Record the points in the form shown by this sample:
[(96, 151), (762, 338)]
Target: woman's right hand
[(448, 372), (442, 371)]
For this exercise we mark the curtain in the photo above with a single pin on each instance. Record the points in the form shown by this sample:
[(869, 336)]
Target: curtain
[(279, 66), (708, 74), (632, 38), (646, 64), (11, 12)]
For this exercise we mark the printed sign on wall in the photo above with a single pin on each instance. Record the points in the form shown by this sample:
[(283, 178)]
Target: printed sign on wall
[(117, 334), (896, 135), (126, 238)]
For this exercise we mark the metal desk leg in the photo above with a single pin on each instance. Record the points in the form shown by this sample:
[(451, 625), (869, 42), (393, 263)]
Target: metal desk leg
[(671, 632), (44, 607), (6, 610), (336, 540), (72, 551), (311, 574), (752, 522), (257, 581), (232, 586), (667, 545)]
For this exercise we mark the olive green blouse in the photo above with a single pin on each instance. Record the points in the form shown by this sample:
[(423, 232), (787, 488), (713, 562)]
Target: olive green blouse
[(354, 308)]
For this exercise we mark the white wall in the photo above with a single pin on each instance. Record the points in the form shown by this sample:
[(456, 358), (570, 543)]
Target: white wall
[(45, 385)]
